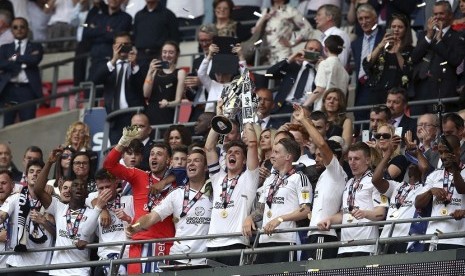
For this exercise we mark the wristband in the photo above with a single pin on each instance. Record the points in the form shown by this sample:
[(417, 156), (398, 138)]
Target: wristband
[(280, 219)]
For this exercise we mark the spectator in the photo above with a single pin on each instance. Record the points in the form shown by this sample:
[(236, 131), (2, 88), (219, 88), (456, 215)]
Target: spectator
[(401, 194), (330, 72), (285, 28), (6, 162), (361, 48), (437, 78), (145, 136), (264, 108), (23, 210), (266, 143), (397, 103), (444, 189), (78, 136), (297, 75), (60, 25), (310, 8), (427, 132), (7, 6), (101, 30), (6, 188), (361, 202), (328, 21), (379, 114), (144, 199), (334, 105), (231, 208), (244, 9), (188, 204), (283, 204), (20, 80), (62, 169), (153, 26), (385, 140), (6, 36), (188, 13), (300, 135), (71, 228), (122, 79), (121, 210), (453, 124), (177, 135), (224, 24), (83, 168), (37, 9), (389, 65), (195, 90), (329, 188), (203, 124), (223, 74), (164, 85), (31, 153)]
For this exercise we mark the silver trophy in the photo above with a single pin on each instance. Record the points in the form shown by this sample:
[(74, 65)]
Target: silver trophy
[(239, 103)]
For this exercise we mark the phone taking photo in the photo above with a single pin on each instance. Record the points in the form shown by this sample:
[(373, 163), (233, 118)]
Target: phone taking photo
[(308, 55), (164, 64), (126, 48)]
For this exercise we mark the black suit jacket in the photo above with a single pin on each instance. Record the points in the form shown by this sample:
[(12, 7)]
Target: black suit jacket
[(274, 123), (31, 58), (449, 52), (133, 87), (408, 123), (287, 73)]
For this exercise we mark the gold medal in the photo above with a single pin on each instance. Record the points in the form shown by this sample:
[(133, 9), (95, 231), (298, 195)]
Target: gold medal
[(269, 214), (443, 212), (395, 214), (224, 213), (175, 219), (350, 218)]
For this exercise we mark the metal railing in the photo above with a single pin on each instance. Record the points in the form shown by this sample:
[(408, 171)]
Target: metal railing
[(238, 252)]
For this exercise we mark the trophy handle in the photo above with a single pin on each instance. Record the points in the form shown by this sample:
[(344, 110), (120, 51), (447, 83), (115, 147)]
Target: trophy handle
[(221, 124)]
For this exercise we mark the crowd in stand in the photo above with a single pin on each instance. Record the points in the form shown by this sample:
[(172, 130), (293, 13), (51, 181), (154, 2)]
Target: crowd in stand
[(314, 169)]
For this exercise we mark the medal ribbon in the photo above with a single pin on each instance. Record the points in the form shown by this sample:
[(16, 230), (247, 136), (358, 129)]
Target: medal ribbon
[(277, 183), (402, 194), (116, 204), (353, 189), (151, 197), (73, 228), (187, 204), (446, 187), (226, 193)]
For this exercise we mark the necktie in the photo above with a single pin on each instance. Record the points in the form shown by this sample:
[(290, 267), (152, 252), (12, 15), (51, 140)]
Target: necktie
[(18, 48), (299, 90), (366, 49), (119, 82)]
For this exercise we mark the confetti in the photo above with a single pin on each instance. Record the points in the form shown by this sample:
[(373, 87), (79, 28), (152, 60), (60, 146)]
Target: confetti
[(258, 42), (374, 27), (46, 6), (84, 25), (443, 63), (421, 5), (190, 16), (268, 75)]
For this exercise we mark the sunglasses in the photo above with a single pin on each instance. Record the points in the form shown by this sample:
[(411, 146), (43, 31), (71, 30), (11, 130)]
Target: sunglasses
[(382, 135), (65, 156), (17, 27)]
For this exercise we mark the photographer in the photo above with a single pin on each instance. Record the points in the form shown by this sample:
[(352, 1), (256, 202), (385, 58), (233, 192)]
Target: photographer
[(122, 81), (296, 75)]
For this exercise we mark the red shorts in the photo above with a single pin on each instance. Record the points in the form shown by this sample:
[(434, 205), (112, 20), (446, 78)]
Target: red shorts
[(147, 250)]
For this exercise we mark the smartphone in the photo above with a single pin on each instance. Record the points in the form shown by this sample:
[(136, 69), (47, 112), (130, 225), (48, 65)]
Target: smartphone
[(164, 64), (398, 132), (389, 31), (308, 55), (365, 135), (126, 48)]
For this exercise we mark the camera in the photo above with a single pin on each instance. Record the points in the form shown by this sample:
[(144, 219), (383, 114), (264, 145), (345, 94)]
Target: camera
[(311, 55), (126, 48), (164, 64)]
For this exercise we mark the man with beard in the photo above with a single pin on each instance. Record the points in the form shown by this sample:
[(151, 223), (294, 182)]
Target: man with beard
[(22, 209), (190, 206), (75, 223), (327, 197), (143, 185)]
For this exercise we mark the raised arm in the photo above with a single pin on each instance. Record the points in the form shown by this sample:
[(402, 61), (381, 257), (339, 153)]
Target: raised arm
[(252, 148), (39, 187), (212, 139), (381, 184), (318, 140), (149, 79)]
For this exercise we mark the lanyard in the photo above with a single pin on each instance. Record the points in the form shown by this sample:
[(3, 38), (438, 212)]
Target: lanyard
[(151, 197), (73, 228), (116, 204), (226, 193), (187, 204), (402, 194), (277, 183), (353, 190), (449, 188)]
